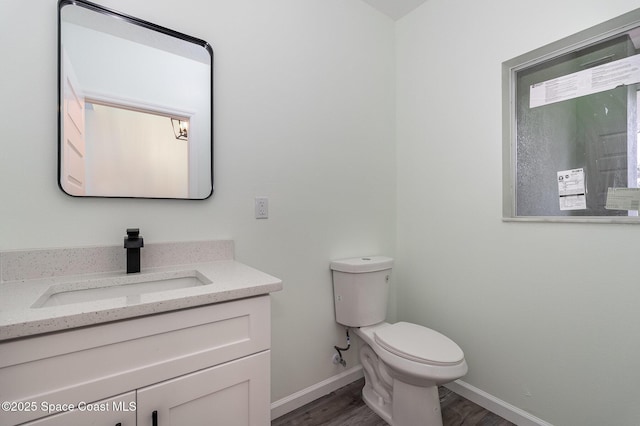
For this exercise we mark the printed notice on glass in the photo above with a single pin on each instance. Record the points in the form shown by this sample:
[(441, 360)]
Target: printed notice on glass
[(571, 190), (623, 199), (593, 80)]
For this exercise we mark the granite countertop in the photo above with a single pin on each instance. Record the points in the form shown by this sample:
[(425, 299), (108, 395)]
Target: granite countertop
[(21, 300)]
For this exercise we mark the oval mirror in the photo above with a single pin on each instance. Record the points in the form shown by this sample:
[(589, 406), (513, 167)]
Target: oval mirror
[(135, 107)]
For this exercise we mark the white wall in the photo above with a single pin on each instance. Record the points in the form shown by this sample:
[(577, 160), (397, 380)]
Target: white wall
[(304, 114), (547, 314)]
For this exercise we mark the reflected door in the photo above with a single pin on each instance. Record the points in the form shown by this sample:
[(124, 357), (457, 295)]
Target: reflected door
[(73, 137), (602, 123)]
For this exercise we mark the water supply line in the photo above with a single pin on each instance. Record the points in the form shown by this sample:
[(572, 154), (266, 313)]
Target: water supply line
[(339, 350)]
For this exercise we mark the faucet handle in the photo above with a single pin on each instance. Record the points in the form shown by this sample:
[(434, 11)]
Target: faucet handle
[(133, 232)]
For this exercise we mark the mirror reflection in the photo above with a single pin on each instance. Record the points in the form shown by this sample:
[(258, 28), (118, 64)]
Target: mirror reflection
[(135, 107)]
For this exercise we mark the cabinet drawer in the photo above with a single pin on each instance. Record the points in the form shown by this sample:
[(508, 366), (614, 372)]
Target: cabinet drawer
[(96, 362), (108, 412)]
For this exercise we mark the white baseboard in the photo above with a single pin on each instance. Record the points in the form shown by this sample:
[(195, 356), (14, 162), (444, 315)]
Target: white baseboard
[(305, 396), (465, 390), (495, 405)]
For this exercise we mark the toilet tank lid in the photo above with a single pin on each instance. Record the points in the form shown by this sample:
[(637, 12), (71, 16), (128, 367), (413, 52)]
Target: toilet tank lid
[(358, 265)]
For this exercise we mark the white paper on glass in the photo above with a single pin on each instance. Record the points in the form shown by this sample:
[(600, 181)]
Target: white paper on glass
[(571, 189), (593, 80), (623, 199)]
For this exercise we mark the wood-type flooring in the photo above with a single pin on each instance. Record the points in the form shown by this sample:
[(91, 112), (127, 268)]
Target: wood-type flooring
[(344, 407)]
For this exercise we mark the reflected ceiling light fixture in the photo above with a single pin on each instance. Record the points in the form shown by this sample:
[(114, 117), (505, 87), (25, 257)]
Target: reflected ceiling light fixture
[(180, 128)]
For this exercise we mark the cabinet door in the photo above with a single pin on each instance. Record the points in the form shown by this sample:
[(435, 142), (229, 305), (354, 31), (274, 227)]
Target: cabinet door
[(236, 393), (119, 410)]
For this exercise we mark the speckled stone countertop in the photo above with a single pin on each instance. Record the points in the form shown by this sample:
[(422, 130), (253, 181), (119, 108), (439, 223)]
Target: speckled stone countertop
[(29, 277)]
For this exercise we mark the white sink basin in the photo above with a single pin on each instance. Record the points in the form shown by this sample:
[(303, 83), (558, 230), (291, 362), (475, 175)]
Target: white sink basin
[(121, 286)]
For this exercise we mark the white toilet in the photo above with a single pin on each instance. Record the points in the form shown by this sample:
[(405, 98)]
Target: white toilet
[(403, 363)]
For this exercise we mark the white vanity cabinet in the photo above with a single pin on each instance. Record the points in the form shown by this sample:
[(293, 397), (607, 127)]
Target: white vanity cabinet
[(192, 367)]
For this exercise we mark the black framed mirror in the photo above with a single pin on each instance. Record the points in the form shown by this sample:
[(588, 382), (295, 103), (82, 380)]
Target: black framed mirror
[(135, 107)]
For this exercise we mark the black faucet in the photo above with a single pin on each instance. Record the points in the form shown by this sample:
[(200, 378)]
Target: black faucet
[(133, 242)]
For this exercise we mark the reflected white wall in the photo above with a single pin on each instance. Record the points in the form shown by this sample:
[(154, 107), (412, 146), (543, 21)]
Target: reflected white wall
[(133, 154)]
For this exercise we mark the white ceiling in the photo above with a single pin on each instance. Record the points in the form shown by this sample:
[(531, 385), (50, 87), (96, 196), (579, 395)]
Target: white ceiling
[(395, 9)]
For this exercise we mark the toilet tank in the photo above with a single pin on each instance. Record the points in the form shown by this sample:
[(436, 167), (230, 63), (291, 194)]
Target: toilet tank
[(361, 290)]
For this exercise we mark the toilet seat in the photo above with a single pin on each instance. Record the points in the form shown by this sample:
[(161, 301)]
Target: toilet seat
[(419, 344)]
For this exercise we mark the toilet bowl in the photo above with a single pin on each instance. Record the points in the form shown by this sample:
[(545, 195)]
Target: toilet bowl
[(403, 363)]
